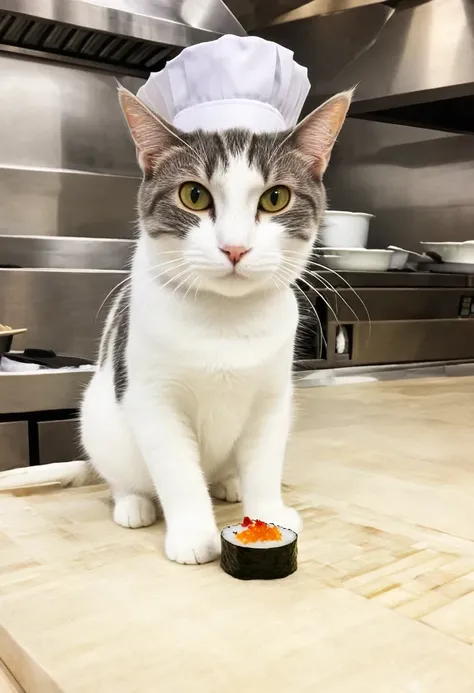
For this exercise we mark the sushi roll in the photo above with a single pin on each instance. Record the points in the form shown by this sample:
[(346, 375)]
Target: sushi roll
[(255, 550)]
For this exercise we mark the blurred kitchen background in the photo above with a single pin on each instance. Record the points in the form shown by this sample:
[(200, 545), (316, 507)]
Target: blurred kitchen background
[(68, 180)]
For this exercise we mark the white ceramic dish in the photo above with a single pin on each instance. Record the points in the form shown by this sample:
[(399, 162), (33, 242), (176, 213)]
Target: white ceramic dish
[(451, 252), (345, 229), (399, 257), (356, 259), (406, 259)]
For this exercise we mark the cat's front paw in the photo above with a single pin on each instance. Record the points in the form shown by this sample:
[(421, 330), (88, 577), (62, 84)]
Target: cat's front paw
[(285, 517), (191, 546), (228, 490), (134, 511)]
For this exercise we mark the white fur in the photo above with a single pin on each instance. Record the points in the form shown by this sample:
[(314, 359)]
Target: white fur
[(209, 396)]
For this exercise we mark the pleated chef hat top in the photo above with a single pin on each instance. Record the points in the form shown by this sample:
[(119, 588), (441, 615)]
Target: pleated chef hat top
[(244, 82)]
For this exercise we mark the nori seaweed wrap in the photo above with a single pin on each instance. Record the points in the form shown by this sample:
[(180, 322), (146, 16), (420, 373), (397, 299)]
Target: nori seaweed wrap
[(256, 550)]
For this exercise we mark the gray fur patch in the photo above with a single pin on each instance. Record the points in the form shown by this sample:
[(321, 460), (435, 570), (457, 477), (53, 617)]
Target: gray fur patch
[(104, 348), (120, 330), (309, 195)]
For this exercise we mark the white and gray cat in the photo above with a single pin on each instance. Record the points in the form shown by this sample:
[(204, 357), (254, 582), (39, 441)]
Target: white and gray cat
[(192, 397)]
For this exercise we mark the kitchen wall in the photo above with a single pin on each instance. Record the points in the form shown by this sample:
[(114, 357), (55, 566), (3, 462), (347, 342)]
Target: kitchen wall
[(419, 183), (67, 164), (67, 169)]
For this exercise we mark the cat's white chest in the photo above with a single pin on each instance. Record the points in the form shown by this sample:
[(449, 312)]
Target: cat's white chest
[(219, 418), (212, 372), (216, 389)]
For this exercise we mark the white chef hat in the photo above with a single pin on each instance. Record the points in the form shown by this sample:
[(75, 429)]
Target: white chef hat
[(244, 82)]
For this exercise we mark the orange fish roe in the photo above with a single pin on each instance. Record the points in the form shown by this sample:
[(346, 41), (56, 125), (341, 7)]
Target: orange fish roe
[(256, 530)]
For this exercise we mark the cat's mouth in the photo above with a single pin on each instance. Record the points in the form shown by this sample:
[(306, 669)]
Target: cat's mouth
[(237, 274), (234, 272), (233, 281)]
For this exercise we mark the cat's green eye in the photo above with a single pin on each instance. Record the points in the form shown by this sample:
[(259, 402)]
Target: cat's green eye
[(195, 196), (275, 199)]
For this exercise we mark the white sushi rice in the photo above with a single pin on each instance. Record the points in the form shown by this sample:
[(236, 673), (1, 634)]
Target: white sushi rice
[(229, 534)]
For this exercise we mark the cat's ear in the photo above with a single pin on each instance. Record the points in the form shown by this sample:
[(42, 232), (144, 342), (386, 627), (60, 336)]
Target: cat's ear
[(152, 134), (316, 134)]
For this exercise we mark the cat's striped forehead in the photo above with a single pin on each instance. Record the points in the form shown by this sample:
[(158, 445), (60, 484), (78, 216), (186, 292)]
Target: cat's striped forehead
[(219, 150), (262, 152)]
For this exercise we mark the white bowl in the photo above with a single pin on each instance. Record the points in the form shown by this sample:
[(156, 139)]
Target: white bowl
[(399, 258), (356, 259), (451, 252), (345, 229)]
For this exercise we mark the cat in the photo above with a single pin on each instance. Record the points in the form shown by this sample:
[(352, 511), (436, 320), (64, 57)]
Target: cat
[(192, 396)]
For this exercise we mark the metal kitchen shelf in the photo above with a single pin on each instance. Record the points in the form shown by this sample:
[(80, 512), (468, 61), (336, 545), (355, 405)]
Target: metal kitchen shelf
[(44, 391)]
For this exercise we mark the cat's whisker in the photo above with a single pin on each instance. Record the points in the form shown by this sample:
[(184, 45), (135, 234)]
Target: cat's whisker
[(313, 309), (333, 289), (166, 271), (160, 287), (316, 314), (310, 286), (183, 281), (113, 290), (190, 286), (366, 310), (339, 276), (162, 264), (130, 277), (275, 279), (173, 278), (325, 283), (181, 260)]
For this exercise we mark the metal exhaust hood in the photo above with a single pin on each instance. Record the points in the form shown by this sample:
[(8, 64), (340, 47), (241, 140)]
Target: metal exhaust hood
[(130, 36), (413, 61)]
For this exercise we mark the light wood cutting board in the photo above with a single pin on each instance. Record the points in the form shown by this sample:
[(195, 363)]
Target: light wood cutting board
[(7, 683), (383, 599)]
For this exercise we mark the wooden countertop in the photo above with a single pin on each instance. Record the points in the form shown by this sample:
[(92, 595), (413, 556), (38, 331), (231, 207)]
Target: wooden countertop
[(7, 683), (382, 602)]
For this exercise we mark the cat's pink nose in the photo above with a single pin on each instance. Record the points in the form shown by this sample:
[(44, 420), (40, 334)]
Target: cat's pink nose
[(235, 252)]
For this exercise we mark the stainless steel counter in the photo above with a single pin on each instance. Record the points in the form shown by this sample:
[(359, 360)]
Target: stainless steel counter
[(47, 436), (38, 423), (21, 393), (354, 374)]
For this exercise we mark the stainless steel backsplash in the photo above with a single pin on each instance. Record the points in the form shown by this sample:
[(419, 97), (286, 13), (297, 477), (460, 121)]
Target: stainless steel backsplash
[(67, 163), (66, 203), (60, 308), (419, 183), (67, 169)]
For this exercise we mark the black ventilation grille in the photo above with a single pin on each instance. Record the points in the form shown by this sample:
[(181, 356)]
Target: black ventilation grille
[(123, 53)]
